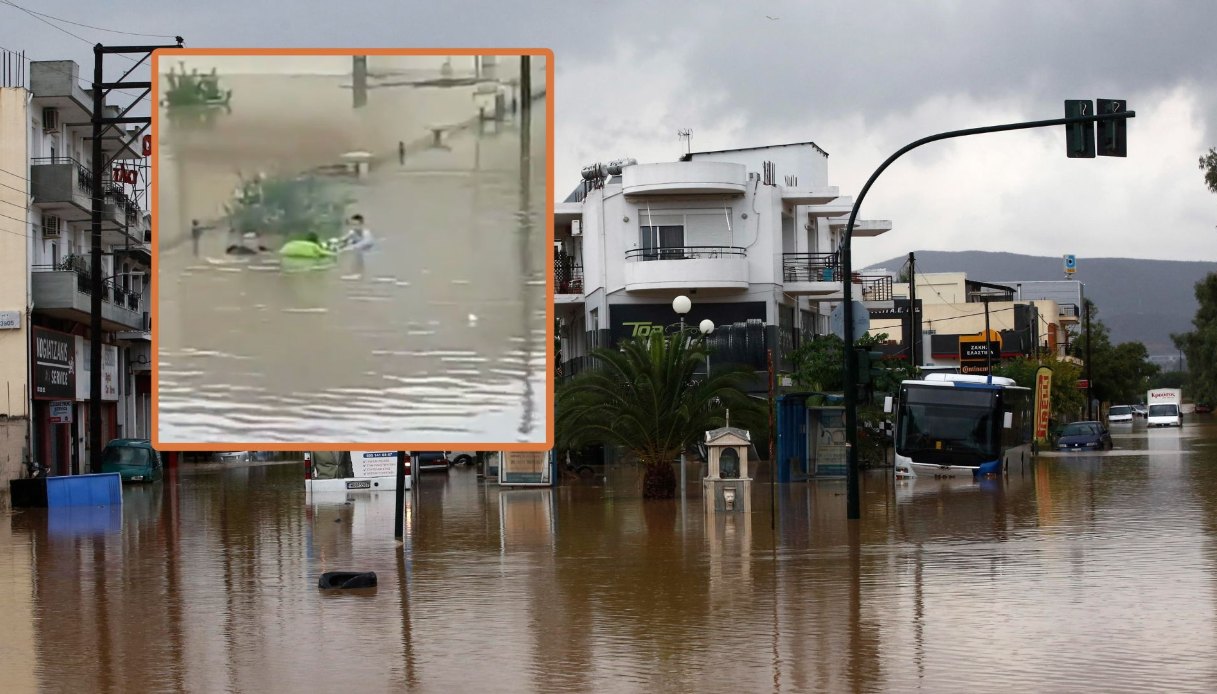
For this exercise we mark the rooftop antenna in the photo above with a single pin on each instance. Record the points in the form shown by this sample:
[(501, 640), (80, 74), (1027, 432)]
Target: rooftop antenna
[(686, 135)]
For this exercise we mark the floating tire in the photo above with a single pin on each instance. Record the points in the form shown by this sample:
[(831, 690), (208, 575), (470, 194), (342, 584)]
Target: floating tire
[(347, 580)]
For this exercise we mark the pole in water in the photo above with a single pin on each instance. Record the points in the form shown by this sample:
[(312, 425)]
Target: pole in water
[(399, 517)]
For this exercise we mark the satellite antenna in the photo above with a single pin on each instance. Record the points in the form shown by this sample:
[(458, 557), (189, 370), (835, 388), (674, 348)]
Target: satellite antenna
[(686, 135)]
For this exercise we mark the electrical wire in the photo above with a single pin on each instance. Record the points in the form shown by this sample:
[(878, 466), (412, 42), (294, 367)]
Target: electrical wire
[(86, 26), (136, 98)]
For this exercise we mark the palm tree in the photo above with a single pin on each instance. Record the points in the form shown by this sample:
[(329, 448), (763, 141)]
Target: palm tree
[(644, 396)]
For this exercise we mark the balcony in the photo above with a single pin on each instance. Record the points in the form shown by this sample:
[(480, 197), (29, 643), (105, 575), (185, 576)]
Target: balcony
[(140, 337), (568, 283), (868, 227), (810, 196), (63, 187), (56, 84), (1069, 313), (122, 217), (684, 178), (811, 274), (686, 267), (65, 291)]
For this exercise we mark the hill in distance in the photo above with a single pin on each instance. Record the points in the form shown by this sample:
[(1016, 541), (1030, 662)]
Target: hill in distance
[(1138, 300)]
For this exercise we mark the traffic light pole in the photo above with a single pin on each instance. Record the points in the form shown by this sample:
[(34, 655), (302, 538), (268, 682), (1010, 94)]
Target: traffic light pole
[(101, 125), (854, 501)]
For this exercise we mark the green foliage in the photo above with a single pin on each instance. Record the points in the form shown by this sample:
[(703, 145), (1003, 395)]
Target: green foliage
[(819, 364), (193, 89), (289, 207), (1200, 345), (1068, 401), (646, 397), (1120, 373), (1208, 164), (1170, 379)]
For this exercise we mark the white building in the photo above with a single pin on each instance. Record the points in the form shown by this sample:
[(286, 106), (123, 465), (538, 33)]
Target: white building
[(45, 155), (751, 236)]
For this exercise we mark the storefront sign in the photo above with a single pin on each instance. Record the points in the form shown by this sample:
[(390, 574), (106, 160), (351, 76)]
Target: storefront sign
[(975, 353), (10, 320), (109, 371), (54, 365), (61, 412), (639, 320)]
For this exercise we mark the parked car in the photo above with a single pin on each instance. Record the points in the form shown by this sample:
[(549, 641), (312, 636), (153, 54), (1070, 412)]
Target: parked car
[(1141, 411), (1120, 414), (233, 457), (1084, 436), (1203, 408), (428, 461), (135, 460)]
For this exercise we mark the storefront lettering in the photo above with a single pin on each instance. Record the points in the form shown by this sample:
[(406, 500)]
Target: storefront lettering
[(644, 328), (52, 350)]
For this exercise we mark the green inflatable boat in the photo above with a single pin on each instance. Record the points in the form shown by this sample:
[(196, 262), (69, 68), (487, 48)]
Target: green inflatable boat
[(307, 249)]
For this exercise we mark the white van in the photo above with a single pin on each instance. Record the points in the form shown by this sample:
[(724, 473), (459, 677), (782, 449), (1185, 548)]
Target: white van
[(343, 471), (1164, 407)]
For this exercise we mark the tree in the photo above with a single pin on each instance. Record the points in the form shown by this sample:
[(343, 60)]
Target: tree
[(1208, 164), (818, 364), (1200, 344), (644, 396), (1068, 401), (1120, 373)]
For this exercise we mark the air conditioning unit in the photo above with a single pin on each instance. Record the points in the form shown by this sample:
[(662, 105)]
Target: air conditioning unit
[(50, 119), (576, 227), (52, 227)]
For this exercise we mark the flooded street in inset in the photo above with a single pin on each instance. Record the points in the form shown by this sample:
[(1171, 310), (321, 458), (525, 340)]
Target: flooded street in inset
[(438, 334), (1094, 573)]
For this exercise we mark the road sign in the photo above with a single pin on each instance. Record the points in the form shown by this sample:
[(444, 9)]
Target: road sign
[(1113, 134), (1071, 264), (1083, 383), (836, 320)]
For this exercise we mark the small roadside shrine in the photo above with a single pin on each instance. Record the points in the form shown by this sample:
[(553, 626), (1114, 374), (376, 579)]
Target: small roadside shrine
[(728, 483)]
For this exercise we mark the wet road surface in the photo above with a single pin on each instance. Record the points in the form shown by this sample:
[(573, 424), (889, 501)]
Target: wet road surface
[(1094, 573)]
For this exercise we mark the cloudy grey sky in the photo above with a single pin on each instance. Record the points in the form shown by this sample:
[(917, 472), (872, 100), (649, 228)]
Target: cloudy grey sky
[(860, 78)]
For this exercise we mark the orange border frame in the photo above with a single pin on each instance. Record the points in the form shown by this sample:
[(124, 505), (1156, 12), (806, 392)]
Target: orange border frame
[(174, 53)]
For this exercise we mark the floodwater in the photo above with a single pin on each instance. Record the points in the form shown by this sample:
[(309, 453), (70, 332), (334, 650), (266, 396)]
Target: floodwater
[(437, 335), (1094, 574)]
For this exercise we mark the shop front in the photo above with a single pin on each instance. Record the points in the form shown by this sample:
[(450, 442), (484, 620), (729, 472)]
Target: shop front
[(54, 394)]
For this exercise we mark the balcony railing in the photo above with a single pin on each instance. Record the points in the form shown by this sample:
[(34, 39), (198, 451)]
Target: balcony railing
[(1069, 311), (875, 287), (568, 278), (811, 267), (685, 253), (112, 292)]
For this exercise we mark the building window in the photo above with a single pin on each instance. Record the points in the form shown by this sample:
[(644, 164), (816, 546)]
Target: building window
[(662, 242)]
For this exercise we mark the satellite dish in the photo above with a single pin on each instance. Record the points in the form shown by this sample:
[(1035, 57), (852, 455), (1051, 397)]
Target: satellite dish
[(836, 320)]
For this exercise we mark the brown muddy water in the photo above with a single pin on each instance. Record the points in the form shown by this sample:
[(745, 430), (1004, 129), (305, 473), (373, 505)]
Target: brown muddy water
[(1093, 574), (438, 336)]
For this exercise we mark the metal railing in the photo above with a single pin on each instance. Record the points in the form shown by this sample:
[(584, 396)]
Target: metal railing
[(568, 278), (112, 292), (685, 253), (84, 177), (875, 287), (1069, 311), (811, 267)]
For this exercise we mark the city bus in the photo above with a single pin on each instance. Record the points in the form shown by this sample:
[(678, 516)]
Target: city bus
[(959, 425)]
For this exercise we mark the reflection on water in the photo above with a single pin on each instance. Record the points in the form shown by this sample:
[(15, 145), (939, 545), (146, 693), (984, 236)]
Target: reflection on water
[(437, 335), (1093, 573)]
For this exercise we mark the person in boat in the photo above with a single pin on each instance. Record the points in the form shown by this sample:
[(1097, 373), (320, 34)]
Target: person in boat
[(308, 247)]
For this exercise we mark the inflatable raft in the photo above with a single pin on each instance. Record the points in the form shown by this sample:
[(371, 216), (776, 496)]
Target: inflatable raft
[(305, 249)]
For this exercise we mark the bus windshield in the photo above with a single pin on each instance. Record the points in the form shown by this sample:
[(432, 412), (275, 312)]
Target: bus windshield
[(950, 421)]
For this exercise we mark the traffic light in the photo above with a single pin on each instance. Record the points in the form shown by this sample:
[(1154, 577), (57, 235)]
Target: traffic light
[(1113, 134), (1079, 137), (869, 365)]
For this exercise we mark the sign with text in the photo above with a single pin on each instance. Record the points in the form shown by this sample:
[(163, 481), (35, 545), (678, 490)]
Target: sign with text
[(1043, 402), (640, 320), (54, 365), (61, 412), (109, 370), (374, 463), (10, 320), (976, 353)]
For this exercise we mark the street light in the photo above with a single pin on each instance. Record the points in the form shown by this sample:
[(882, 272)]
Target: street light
[(706, 327), (682, 305)]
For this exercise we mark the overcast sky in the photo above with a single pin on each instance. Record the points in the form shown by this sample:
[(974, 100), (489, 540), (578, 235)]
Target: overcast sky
[(861, 79)]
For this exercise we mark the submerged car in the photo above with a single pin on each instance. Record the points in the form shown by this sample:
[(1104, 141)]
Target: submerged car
[(1084, 436), (1141, 411), (135, 460), (1120, 413)]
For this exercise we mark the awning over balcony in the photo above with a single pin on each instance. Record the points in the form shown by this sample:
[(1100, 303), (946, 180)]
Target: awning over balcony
[(868, 227)]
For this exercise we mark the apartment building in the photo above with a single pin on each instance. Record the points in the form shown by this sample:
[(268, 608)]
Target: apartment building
[(46, 282), (751, 236)]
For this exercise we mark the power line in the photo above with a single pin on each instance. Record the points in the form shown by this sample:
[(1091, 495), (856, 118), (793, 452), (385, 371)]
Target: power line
[(61, 71), (86, 26)]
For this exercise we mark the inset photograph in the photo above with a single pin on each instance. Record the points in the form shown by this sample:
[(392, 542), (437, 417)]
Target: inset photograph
[(352, 249)]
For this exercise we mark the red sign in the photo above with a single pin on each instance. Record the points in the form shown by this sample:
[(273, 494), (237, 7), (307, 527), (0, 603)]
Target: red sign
[(1043, 401), (124, 175), (147, 145), (1083, 383)]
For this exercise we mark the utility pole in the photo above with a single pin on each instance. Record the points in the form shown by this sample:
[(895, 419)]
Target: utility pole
[(988, 343), (1089, 379), (1075, 141), (525, 86), (102, 125), (914, 318), (359, 80)]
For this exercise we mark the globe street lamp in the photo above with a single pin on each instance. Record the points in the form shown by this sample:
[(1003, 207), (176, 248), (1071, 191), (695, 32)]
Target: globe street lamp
[(707, 327), (682, 305)]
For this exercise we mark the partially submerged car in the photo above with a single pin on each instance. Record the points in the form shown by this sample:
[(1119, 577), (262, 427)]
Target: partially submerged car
[(135, 460), (1120, 414), (1084, 436)]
